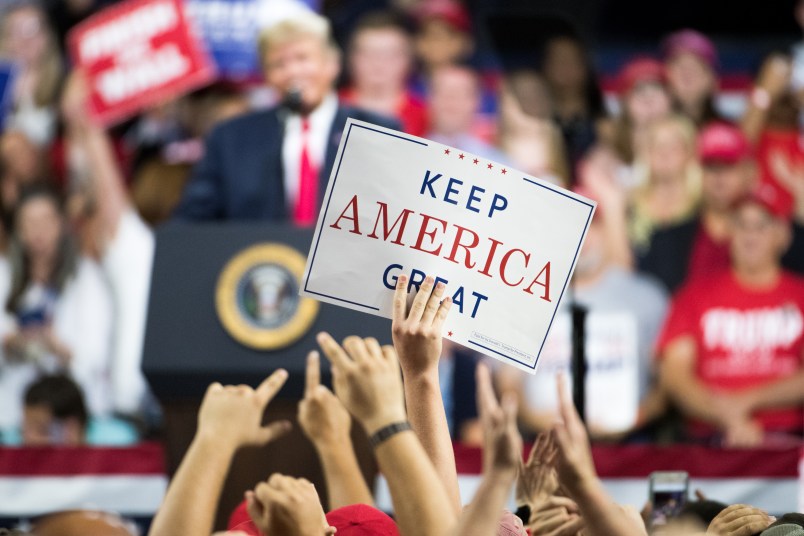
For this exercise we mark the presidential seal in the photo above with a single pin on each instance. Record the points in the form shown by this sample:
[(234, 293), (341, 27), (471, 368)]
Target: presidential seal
[(257, 297)]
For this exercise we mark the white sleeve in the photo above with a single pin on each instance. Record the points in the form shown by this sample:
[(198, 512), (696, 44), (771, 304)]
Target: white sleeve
[(127, 262), (83, 320)]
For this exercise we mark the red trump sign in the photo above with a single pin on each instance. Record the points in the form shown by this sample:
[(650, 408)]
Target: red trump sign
[(137, 54)]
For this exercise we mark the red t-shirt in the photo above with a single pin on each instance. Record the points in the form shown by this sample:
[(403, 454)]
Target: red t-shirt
[(411, 111), (745, 337), (708, 257)]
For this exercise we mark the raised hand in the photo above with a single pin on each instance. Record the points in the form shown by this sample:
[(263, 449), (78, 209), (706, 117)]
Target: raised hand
[(287, 506), (538, 479), (555, 516), (576, 468), (417, 334), (502, 444), (367, 380), (739, 520), (232, 415), (322, 417)]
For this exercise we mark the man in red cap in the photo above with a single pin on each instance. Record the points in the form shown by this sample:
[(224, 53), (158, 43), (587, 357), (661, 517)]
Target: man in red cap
[(732, 347), (699, 248)]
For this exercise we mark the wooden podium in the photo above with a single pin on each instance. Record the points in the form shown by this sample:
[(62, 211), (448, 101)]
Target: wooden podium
[(187, 346)]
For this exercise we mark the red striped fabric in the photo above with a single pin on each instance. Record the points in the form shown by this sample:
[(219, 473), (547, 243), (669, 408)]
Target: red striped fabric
[(142, 459), (634, 461)]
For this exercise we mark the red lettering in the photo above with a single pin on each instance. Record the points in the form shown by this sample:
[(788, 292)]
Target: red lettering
[(355, 224), (386, 232), (423, 232), (504, 263), (490, 258), (546, 283), (466, 247)]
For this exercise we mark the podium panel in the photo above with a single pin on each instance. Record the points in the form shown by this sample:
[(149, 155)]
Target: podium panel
[(222, 291)]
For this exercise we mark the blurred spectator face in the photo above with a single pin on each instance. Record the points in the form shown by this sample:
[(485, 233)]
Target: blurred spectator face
[(669, 150), (531, 92), (647, 102), (304, 63), (691, 79), (454, 100), (440, 43), (21, 159), (380, 57), (723, 184), (39, 227), (564, 65), (40, 427), (24, 36), (758, 239)]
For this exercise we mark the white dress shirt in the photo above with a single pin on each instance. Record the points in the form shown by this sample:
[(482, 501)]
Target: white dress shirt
[(317, 141)]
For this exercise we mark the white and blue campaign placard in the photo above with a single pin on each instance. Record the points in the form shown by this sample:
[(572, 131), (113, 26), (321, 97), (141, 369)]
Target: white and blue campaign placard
[(505, 243), (229, 28)]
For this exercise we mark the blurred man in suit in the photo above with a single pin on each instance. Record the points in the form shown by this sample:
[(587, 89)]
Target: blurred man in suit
[(273, 164)]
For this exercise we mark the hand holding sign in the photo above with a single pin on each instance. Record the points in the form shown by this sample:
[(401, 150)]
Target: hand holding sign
[(504, 243), (418, 334)]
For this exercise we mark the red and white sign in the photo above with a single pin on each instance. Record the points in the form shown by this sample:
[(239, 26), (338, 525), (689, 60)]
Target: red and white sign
[(504, 243), (136, 54)]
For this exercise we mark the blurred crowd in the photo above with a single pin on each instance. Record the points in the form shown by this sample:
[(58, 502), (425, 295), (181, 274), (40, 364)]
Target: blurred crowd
[(690, 276)]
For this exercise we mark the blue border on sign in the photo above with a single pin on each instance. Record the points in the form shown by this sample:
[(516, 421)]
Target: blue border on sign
[(326, 209), (566, 282), (545, 186)]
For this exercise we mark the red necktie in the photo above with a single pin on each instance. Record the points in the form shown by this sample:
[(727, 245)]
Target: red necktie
[(304, 213)]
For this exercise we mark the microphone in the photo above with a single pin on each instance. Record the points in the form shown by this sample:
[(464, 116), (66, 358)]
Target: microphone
[(292, 100)]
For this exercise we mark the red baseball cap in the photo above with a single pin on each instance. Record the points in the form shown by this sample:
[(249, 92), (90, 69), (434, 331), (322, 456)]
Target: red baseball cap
[(449, 11), (640, 71), (723, 143), (353, 520), (693, 42), (769, 197)]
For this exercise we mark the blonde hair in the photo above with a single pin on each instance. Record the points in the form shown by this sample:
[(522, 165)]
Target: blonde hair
[(642, 221), (50, 68), (301, 24)]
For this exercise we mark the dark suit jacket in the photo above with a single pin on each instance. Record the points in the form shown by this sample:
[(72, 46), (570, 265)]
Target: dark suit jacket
[(240, 176)]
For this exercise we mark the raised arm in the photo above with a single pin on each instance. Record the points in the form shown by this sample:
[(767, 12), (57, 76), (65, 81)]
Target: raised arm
[(502, 455), (367, 380), (230, 417), (577, 474), (104, 173), (326, 423), (417, 338)]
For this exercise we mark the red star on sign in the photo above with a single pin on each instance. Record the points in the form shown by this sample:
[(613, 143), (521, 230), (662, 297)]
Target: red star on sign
[(460, 156), (446, 151), (449, 333), (504, 171), (489, 166), (475, 160)]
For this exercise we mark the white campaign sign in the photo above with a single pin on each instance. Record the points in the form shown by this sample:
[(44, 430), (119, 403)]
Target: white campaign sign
[(504, 242)]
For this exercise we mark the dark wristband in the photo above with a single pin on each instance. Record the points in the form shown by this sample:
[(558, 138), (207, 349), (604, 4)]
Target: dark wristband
[(387, 432), (523, 513)]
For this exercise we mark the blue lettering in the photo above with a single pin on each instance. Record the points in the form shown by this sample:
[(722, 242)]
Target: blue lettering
[(428, 183)]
